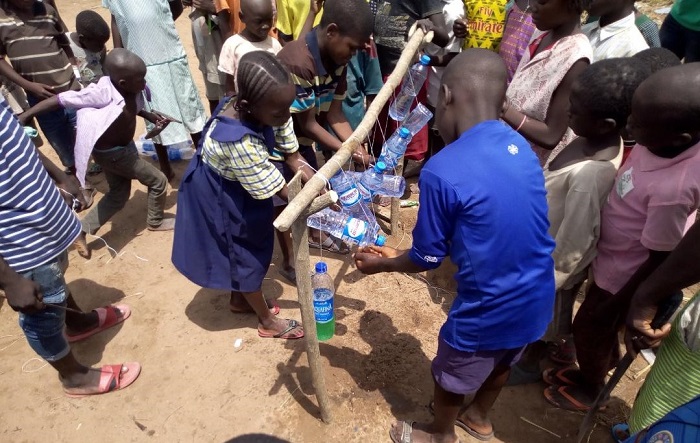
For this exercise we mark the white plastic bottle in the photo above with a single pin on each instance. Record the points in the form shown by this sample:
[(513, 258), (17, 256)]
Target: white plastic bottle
[(346, 228), (412, 84)]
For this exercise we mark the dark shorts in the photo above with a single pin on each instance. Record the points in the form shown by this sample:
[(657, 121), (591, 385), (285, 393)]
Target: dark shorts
[(309, 155), (463, 372)]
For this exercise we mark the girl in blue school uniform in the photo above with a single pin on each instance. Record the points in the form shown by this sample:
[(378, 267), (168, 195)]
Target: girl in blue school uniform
[(224, 235)]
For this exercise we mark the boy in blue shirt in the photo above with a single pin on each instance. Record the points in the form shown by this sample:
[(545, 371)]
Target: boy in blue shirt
[(482, 202)]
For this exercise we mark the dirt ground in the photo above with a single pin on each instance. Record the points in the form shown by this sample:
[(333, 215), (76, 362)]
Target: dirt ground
[(196, 387)]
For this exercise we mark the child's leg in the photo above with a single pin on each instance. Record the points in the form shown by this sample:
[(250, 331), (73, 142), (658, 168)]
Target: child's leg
[(269, 323), (476, 415), (164, 161), (286, 246), (117, 196), (157, 184)]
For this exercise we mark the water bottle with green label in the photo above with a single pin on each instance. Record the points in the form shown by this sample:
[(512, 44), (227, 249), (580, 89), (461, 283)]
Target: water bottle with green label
[(322, 285)]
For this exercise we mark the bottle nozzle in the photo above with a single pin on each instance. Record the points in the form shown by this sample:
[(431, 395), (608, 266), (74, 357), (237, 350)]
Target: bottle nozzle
[(424, 59), (380, 167), (321, 268), (380, 241)]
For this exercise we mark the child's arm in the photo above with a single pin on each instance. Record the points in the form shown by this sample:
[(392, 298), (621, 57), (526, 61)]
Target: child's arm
[(306, 121), (314, 8), (116, 36), (176, 8), (435, 23), (22, 294), (38, 90), (68, 185), (341, 127), (48, 105), (548, 133)]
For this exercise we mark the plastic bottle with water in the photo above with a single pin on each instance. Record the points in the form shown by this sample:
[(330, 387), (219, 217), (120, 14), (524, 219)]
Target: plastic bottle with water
[(419, 117), (346, 227), (324, 312), (395, 148), (350, 198), (176, 152), (412, 84), (392, 185), (371, 181), (375, 181)]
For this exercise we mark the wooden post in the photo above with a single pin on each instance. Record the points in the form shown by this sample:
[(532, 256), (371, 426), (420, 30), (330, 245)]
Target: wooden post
[(333, 165), (302, 263)]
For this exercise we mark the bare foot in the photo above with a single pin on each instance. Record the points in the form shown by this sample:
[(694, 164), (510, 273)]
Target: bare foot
[(82, 247), (89, 320), (167, 225), (280, 328), (418, 433)]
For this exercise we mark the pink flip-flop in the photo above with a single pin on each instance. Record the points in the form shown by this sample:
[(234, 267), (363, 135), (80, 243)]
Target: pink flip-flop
[(113, 378), (107, 317)]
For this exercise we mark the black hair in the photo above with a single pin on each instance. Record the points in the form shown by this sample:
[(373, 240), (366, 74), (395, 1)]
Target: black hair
[(353, 17), (579, 6), (258, 71), (605, 88), (658, 58), (91, 25)]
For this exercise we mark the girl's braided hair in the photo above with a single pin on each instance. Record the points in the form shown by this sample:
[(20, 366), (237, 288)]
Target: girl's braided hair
[(258, 72)]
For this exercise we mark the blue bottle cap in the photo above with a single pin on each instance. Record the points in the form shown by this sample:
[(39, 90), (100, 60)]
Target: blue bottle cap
[(425, 59), (380, 240), (404, 132), (321, 268), (380, 167)]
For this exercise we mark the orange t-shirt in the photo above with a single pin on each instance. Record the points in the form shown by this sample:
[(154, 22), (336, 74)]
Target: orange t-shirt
[(233, 7)]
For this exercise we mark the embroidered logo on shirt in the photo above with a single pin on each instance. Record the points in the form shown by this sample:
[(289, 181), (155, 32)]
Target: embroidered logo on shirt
[(625, 183), (430, 259), (512, 149), (662, 437)]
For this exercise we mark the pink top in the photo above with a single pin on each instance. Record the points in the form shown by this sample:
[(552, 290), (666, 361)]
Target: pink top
[(650, 207), (536, 79), (98, 105)]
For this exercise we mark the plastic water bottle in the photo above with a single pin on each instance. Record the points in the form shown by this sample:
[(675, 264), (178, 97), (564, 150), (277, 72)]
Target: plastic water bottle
[(324, 314), (350, 198), (411, 85), (346, 227), (419, 117), (392, 185), (395, 147), (371, 180), (180, 151)]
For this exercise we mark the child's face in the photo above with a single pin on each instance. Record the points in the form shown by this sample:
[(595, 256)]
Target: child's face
[(580, 120), (92, 44), (273, 108), (134, 82), (258, 23), (341, 47), (647, 129), (23, 5), (549, 14)]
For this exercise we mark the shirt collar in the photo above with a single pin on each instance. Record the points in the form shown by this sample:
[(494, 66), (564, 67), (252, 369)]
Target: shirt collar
[(312, 44), (651, 162), (615, 28)]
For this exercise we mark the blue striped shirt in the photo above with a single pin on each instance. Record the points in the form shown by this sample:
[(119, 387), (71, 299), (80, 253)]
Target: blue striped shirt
[(36, 225)]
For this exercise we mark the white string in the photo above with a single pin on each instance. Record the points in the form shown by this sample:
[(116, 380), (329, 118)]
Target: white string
[(17, 338), (26, 371)]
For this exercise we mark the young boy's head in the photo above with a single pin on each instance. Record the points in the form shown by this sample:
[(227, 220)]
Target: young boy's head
[(658, 58), (666, 111), (22, 5), (258, 18), (265, 91), (92, 30), (605, 8), (473, 89), (552, 14), (601, 97), (126, 70), (344, 29)]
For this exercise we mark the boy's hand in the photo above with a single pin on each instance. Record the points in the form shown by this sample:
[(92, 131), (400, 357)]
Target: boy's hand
[(40, 90), (383, 251), (160, 122), (23, 119), (426, 25), (460, 28), (23, 295), (316, 6), (369, 262), (639, 334), (71, 193)]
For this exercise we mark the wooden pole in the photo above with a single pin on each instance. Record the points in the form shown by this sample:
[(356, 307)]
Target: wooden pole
[(302, 263), (333, 165)]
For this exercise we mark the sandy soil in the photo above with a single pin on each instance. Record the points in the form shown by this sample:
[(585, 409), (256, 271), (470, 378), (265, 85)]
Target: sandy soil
[(196, 387)]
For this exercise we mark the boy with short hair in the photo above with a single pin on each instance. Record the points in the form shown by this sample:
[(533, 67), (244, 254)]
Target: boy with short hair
[(39, 55), (490, 217), (655, 197), (615, 33), (88, 45), (257, 15), (318, 63), (107, 114)]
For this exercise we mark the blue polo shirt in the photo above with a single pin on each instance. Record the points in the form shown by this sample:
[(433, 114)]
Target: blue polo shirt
[(483, 203)]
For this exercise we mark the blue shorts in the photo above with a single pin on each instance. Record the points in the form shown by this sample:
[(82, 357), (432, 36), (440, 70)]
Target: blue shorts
[(462, 372), (44, 329)]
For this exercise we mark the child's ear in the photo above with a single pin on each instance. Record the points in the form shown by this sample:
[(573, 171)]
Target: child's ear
[(241, 16), (243, 106), (683, 139), (332, 30), (607, 125), (447, 93)]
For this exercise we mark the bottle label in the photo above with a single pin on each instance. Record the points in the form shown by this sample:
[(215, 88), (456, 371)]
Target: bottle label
[(364, 192), (323, 305), (355, 230), (350, 197)]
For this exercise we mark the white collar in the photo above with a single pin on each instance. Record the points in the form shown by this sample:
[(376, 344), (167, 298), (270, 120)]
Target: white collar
[(615, 28)]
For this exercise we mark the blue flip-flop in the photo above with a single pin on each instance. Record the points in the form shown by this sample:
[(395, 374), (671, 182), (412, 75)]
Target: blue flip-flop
[(619, 431)]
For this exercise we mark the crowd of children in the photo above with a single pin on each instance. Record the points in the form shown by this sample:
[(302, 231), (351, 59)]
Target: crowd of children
[(560, 153)]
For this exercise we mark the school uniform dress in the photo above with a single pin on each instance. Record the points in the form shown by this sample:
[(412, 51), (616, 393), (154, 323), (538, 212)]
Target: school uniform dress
[(224, 236)]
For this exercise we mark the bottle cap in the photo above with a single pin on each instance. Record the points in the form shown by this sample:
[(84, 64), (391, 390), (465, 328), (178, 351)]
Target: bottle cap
[(380, 240), (380, 167), (321, 268), (404, 132), (425, 59)]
